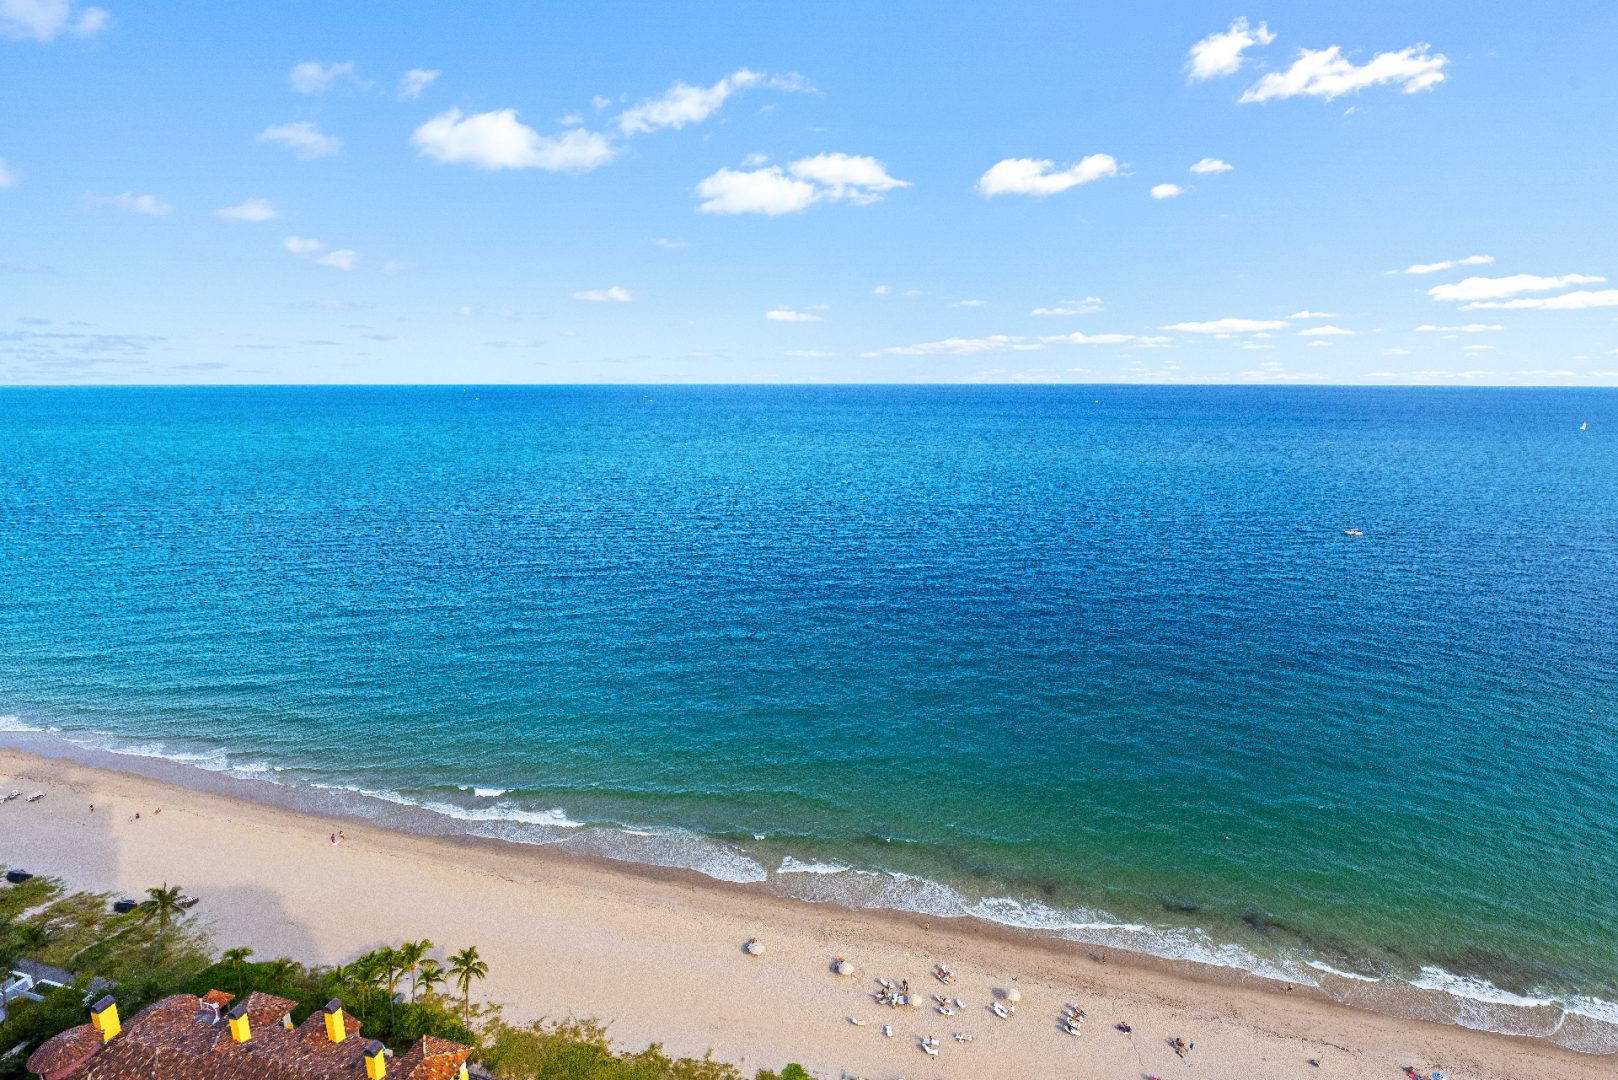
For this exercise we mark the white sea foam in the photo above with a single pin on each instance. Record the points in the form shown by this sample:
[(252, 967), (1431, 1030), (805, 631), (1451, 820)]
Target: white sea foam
[(1471, 989), (789, 865), (1341, 974), (489, 792)]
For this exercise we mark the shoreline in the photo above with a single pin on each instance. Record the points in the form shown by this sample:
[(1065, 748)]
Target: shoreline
[(655, 951)]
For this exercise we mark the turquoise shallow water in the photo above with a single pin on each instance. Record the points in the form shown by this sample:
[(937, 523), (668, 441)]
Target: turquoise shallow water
[(1096, 660)]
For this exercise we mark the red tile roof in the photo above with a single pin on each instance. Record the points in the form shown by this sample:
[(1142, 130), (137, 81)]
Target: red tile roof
[(177, 1039)]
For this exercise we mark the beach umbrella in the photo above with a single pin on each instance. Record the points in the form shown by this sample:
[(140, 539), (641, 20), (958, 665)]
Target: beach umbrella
[(1013, 995), (754, 947), (843, 967)]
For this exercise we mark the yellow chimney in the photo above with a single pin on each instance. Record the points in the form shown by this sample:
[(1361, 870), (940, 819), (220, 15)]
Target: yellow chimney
[(336, 1028), (104, 1018), (239, 1029), (376, 1066)]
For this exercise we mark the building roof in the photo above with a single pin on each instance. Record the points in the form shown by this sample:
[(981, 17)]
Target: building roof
[(179, 1039), (63, 1053)]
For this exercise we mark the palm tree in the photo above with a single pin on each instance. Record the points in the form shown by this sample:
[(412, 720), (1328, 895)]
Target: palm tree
[(392, 969), (366, 972), (432, 973), (163, 904), (465, 966), (411, 954), (236, 957)]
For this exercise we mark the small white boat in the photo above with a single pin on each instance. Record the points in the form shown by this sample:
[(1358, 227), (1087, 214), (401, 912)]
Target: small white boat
[(1585, 426)]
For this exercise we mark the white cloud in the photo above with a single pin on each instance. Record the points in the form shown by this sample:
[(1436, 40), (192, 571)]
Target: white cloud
[(1256, 345), (1484, 288), (414, 81), (1448, 264), (1572, 301), (598, 102), (810, 354), (1228, 326), (810, 180), (616, 294), (787, 315), (969, 303), (397, 266), (683, 104), (860, 180), (754, 160), (1468, 328), (1035, 176), (1167, 191), (762, 191), (957, 346), (1071, 307), (498, 140), (303, 138), (1319, 344), (1209, 165), (1325, 73), (46, 20), (671, 245), (1307, 314), (150, 205), (1221, 53), (303, 247), (313, 77), (1395, 351), (882, 290), (8, 177), (1088, 339), (251, 210), (1325, 331)]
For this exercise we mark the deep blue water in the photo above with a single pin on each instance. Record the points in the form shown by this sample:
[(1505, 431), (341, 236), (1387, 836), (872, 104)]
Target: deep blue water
[(1099, 659)]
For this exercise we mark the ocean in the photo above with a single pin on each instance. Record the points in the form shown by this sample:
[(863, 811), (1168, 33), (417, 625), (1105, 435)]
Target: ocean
[(1103, 662)]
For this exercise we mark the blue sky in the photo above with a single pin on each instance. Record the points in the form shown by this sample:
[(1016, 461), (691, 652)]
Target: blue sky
[(498, 192)]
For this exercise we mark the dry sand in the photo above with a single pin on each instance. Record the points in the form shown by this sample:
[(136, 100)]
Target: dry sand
[(659, 957)]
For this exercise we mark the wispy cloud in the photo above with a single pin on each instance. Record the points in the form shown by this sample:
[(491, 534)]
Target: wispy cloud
[(1228, 326), (303, 138), (1040, 177), (1486, 288), (314, 250), (1307, 314), (788, 315), (616, 294), (313, 77), (1447, 264), (8, 178), (1211, 165), (1086, 306), (1325, 331), (251, 210), (1327, 73), (1167, 191), (149, 205), (684, 104), (1221, 53), (413, 82), (1570, 301), (46, 20), (803, 183), (1467, 328)]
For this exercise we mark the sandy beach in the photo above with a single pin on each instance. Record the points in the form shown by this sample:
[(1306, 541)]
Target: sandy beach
[(658, 957)]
